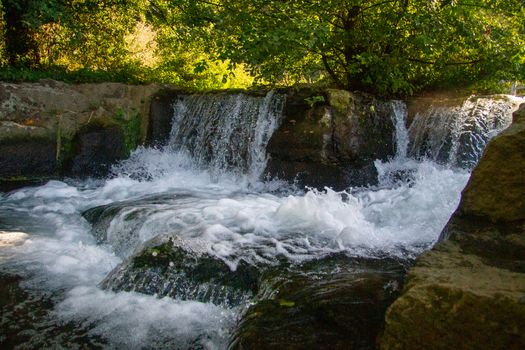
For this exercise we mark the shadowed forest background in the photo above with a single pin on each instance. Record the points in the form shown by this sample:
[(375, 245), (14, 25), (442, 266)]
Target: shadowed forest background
[(386, 47)]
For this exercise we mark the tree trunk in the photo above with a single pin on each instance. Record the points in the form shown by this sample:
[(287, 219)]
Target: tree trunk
[(21, 47)]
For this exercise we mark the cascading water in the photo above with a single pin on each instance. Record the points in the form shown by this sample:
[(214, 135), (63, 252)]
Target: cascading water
[(169, 214), (226, 132), (401, 137), (457, 135)]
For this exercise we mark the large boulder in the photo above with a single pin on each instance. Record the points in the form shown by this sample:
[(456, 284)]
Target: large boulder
[(331, 138), (468, 292), (336, 302)]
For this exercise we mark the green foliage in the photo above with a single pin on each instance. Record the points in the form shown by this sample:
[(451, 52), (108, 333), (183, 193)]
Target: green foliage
[(83, 75), (314, 99), (387, 47), (91, 41), (374, 45)]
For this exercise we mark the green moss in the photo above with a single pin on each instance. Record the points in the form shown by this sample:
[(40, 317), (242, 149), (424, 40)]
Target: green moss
[(132, 132), (131, 128), (339, 99), (313, 100)]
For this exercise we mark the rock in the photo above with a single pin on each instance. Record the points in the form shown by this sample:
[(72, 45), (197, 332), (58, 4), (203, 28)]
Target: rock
[(95, 149), (468, 292), (497, 186), (131, 214), (331, 138), (175, 270), (27, 154), (62, 114), (27, 159), (161, 117), (332, 303), (167, 265), (25, 320)]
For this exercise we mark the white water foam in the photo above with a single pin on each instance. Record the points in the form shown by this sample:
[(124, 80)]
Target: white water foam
[(227, 220), (134, 321)]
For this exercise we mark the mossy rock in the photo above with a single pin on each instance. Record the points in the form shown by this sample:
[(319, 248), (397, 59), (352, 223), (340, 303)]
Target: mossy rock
[(331, 138), (497, 186), (341, 100), (68, 115), (169, 269), (454, 300)]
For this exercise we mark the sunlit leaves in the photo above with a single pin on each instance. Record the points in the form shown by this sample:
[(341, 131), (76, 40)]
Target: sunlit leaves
[(382, 46)]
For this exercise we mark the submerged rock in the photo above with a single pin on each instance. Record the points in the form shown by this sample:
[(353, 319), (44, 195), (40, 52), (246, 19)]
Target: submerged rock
[(175, 270), (25, 321), (332, 303), (469, 291), (131, 215)]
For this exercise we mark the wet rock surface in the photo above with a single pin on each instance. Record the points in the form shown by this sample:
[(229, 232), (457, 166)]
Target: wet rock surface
[(26, 321), (468, 292), (333, 303), (331, 138), (172, 270), (161, 117), (95, 150)]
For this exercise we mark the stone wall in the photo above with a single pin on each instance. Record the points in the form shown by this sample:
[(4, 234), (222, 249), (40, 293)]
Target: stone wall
[(51, 129)]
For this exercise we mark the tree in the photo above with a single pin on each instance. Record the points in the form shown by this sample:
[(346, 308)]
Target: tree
[(21, 47), (384, 46), (89, 32)]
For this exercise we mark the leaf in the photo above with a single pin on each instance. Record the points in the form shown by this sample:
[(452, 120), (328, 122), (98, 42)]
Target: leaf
[(286, 303)]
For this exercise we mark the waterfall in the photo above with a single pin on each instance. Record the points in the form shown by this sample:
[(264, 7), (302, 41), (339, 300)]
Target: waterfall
[(164, 255), (457, 135), (399, 117), (226, 132)]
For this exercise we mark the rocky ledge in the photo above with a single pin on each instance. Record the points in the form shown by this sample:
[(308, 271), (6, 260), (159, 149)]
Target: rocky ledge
[(331, 138), (468, 292), (50, 129)]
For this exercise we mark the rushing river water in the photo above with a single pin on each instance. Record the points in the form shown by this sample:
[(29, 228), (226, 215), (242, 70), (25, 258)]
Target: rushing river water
[(210, 199)]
